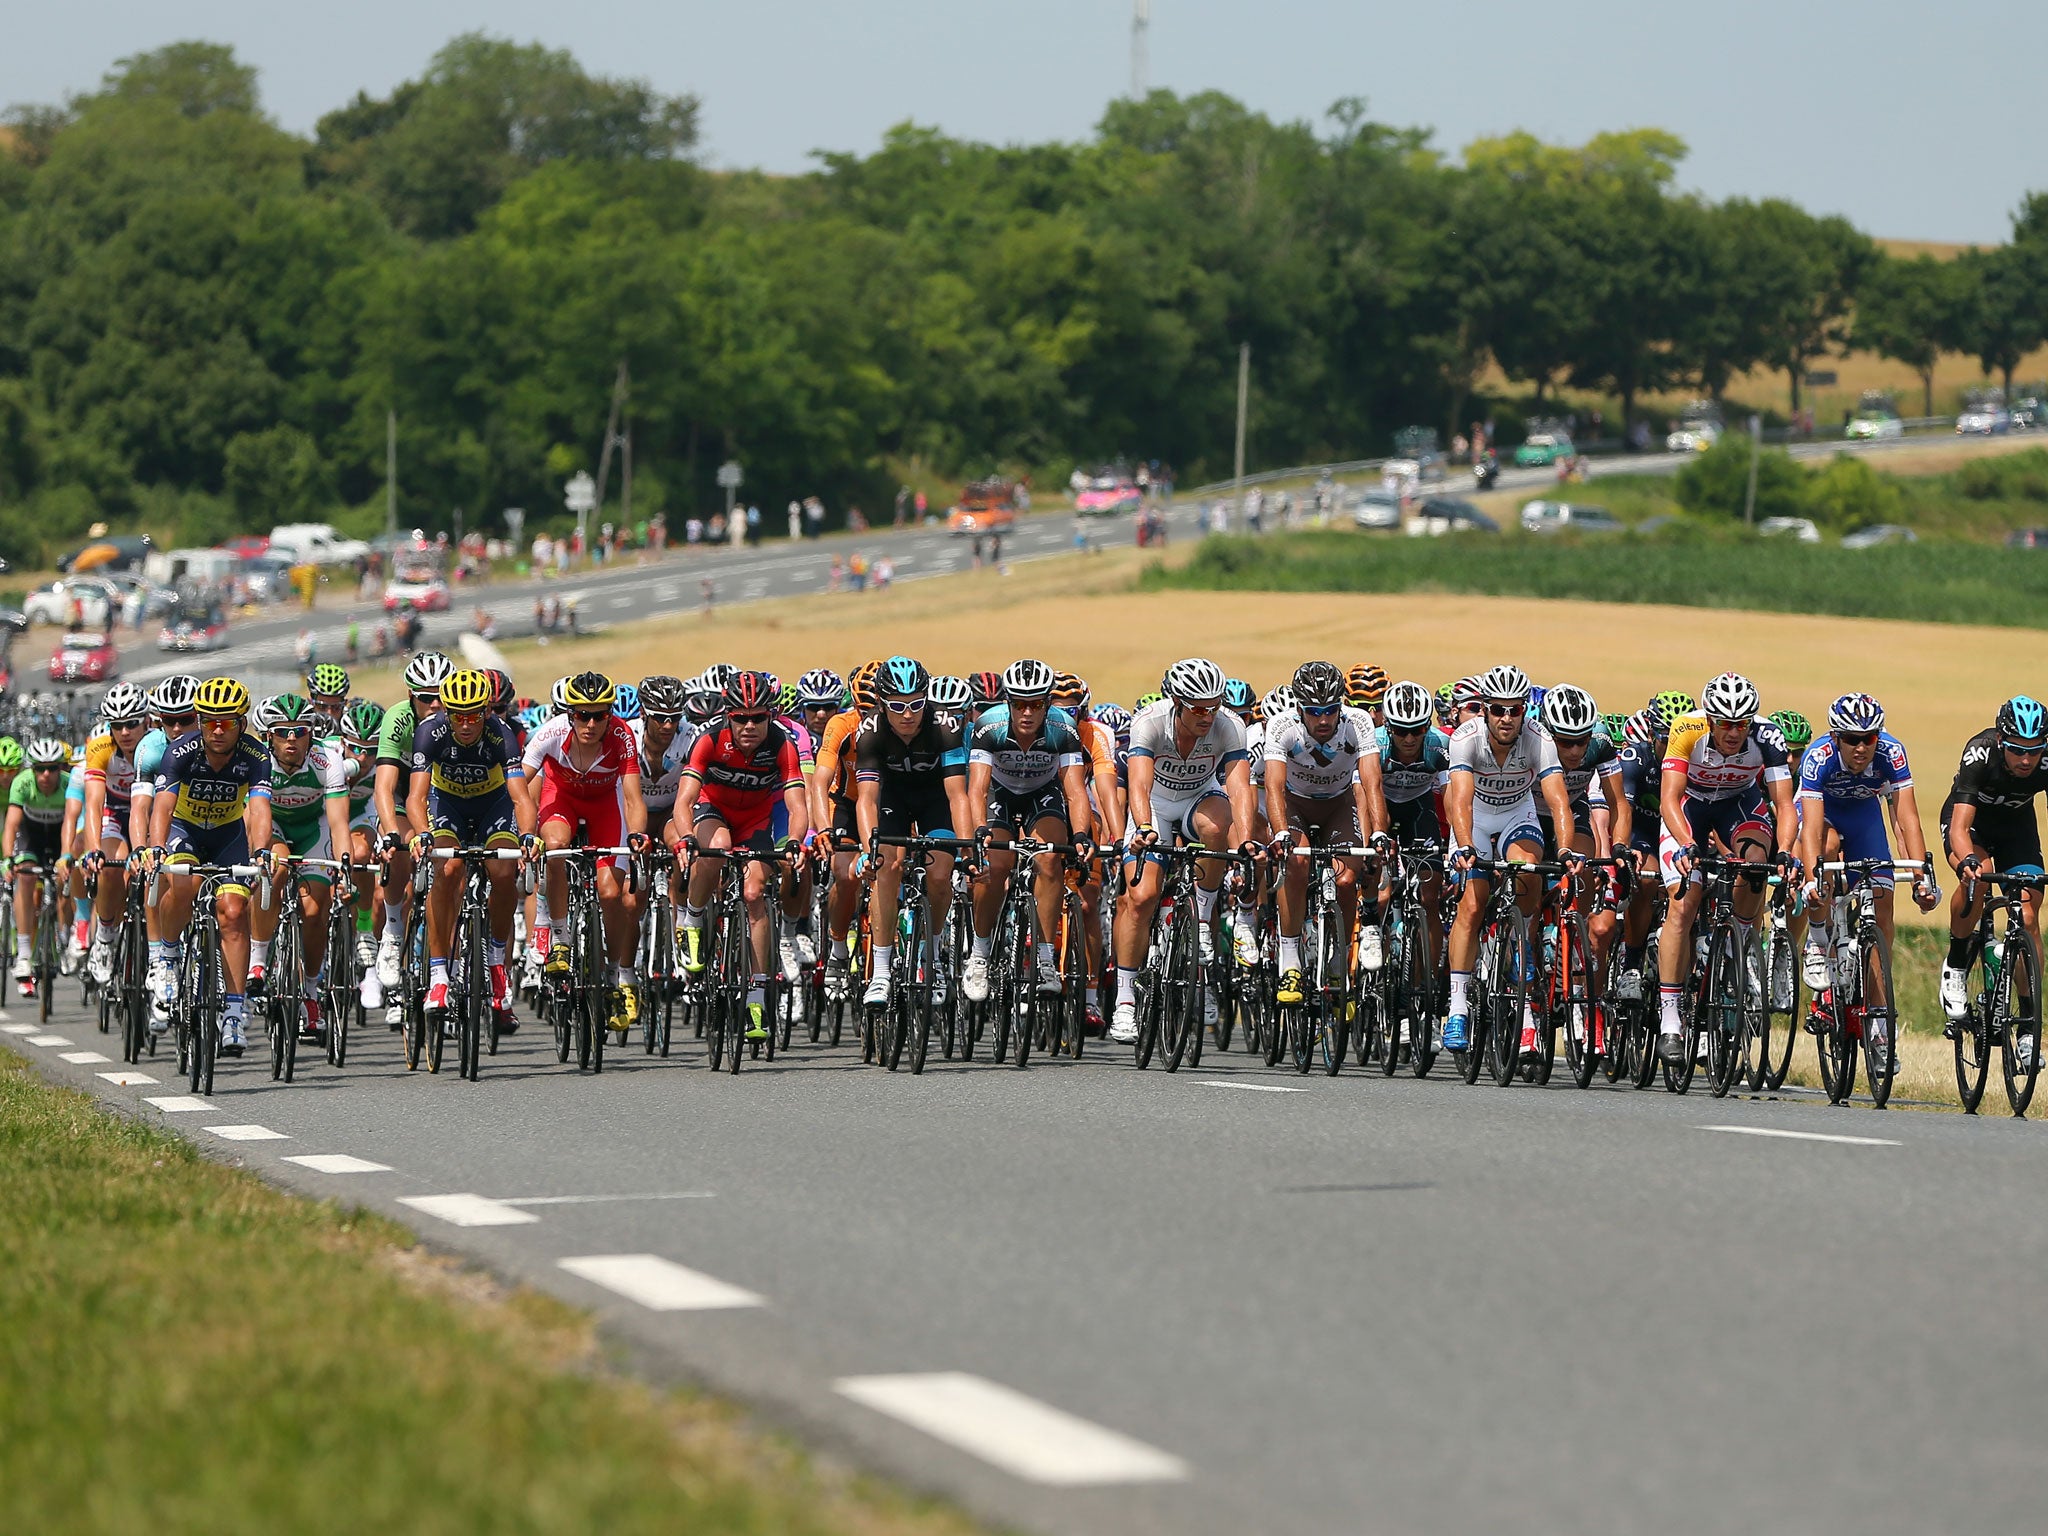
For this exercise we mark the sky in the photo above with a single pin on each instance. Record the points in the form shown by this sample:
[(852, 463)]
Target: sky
[(1910, 119)]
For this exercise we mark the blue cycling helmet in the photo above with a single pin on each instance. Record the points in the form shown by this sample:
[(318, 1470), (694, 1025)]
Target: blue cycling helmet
[(1114, 717), (1855, 712), (1537, 694), (627, 704), (821, 686), (1238, 695), (534, 716), (902, 678), (2022, 719)]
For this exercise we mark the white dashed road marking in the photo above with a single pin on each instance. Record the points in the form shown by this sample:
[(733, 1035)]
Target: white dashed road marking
[(85, 1058), (1019, 1434), (49, 1040), (338, 1162), (658, 1284), (1765, 1130), (128, 1079), (182, 1104), (1217, 1082), (245, 1133), (468, 1210), (19, 1029)]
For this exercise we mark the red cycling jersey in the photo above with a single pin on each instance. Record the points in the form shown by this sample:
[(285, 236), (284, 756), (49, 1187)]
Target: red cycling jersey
[(618, 756), (743, 789)]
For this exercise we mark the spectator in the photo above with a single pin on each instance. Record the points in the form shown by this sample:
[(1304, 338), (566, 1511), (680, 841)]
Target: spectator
[(352, 648), (657, 533), (836, 579), (380, 641), (796, 521), (995, 553), (736, 527), (885, 571), (693, 530), (857, 570), (715, 530), (923, 508), (814, 517), (754, 525), (856, 520), (902, 505)]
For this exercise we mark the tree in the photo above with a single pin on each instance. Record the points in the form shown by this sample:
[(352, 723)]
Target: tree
[(1816, 265), (1910, 311), (2002, 293)]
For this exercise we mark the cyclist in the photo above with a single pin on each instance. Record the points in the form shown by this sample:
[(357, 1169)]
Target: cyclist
[(1097, 725), (910, 776), (665, 741), (467, 790), (1024, 777), (12, 760), (173, 711), (1498, 765), (832, 808), (585, 766), (820, 694), (1641, 764), (1365, 687), (327, 689), (35, 820), (1588, 758), (211, 805), (309, 812), (361, 725), (74, 916), (1724, 769), (1414, 768), (109, 797), (424, 675), (1188, 775), (743, 788), (1987, 825)]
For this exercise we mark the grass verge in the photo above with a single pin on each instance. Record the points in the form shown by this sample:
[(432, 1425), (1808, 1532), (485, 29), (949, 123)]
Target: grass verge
[(184, 1348), (1928, 582)]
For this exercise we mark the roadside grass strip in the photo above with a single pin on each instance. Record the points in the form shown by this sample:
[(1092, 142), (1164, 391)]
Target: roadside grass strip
[(186, 1349)]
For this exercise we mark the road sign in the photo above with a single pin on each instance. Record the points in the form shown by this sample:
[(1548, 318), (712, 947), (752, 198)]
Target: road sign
[(581, 492), (731, 476), (515, 522)]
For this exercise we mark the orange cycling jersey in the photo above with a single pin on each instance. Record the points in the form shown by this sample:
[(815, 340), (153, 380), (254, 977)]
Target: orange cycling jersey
[(834, 762)]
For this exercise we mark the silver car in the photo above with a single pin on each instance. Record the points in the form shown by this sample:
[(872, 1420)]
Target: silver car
[(1378, 510)]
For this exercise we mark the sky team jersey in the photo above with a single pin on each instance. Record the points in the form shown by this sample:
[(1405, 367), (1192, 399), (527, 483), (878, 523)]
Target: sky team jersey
[(44, 810), (105, 764), (1017, 769), (470, 772), (208, 796), (298, 800), (742, 787), (618, 757), (1322, 770), (1712, 775), (1986, 780), (937, 751), (1402, 782), (1175, 777), (1825, 777), (1498, 783)]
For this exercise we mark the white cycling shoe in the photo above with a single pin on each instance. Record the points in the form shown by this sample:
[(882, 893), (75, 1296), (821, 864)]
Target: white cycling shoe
[(1123, 1024), (974, 980), (1955, 1001), (877, 992), (387, 962)]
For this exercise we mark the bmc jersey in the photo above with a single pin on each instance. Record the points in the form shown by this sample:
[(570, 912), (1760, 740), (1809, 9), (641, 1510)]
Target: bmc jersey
[(742, 787), (936, 752), (1015, 768), (1498, 784), (1985, 780), (466, 772), (1713, 775), (1175, 777), (1402, 782), (209, 796), (1322, 770), (1823, 776), (618, 756)]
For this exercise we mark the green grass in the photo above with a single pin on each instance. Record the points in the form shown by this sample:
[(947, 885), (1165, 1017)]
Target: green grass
[(184, 1348), (1937, 582)]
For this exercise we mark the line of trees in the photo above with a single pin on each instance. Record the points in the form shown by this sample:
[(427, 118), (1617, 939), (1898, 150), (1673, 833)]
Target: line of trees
[(204, 319)]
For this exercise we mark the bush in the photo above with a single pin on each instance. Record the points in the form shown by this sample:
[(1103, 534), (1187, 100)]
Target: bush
[(1849, 494), (1716, 484), (2009, 477), (276, 476)]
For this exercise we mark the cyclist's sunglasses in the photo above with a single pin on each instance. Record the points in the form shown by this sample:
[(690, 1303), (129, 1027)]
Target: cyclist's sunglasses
[(218, 722), (180, 722), (1858, 738), (1406, 730), (663, 718), (293, 732), (589, 716), (467, 714), (1320, 711), (49, 767), (746, 719), (1507, 711), (2024, 748), (899, 706), (1572, 741)]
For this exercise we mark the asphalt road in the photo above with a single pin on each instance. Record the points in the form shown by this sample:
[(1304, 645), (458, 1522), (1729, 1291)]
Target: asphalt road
[(1084, 1298)]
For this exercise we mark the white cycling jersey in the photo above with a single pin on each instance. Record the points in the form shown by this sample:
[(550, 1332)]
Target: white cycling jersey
[(1497, 783), (1322, 770), (660, 781), (1175, 777)]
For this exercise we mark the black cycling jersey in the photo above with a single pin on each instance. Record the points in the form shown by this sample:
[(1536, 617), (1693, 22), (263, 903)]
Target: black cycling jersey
[(210, 796), (1600, 756), (935, 753), (1984, 779), (1642, 783), (481, 768)]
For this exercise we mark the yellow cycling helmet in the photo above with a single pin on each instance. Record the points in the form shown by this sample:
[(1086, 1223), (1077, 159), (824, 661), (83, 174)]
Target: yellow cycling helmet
[(468, 690), (222, 696), (586, 690)]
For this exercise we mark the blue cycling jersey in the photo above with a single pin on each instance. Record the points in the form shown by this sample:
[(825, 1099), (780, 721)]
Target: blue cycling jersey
[(1018, 769), (1825, 777), (1402, 782)]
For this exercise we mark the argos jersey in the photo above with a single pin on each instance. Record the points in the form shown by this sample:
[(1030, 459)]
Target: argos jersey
[(1498, 784), (618, 755), (104, 763), (1018, 769), (1711, 775), (1322, 770), (208, 796), (298, 800), (1175, 777), (1402, 782), (1823, 776), (466, 772)]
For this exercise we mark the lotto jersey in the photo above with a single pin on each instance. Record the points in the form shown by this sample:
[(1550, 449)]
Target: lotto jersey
[(1713, 775), (743, 786), (105, 764)]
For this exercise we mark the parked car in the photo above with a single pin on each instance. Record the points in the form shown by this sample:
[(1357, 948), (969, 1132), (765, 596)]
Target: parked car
[(1378, 509), (319, 543), (1698, 429), (1983, 420), (425, 590), (1873, 426), (1556, 516), (1544, 448), (98, 602), (1799, 528), (2027, 412), (120, 552), (85, 656), (1416, 456), (2027, 538), (1449, 514), (1107, 492), (194, 629), (1879, 533)]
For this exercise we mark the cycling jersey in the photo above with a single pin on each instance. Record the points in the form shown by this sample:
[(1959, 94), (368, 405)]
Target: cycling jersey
[(210, 797), (1015, 768), (298, 800), (1985, 780), (469, 772), (552, 751), (936, 752), (42, 819), (1642, 785), (1712, 775), (660, 781), (1825, 777), (106, 764), (1322, 770), (1401, 782), (835, 754), (149, 754), (740, 788), (1601, 757), (1178, 777), (1498, 784), (395, 742)]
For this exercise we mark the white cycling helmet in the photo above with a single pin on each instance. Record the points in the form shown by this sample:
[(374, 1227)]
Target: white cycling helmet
[(1505, 681), (123, 702), (1730, 696), (1278, 701), (1410, 705), (1028, 679), (949, 692), (426, 672), (177, 694), (1855, 712), (1570, 711), (1193, 680)]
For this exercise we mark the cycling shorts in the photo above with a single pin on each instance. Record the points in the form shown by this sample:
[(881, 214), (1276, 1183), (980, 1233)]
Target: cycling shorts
[(2011, 839), (1020, 812), (1174, 818), (1743, 817), (114, 829), (603, 815), (844, 822), (1860, 825), (761, 830), (227, 843), (473, 821), (1415, 821), (1495, 829), (37, 841), (904, 810), (1336, 817), (310, 842)]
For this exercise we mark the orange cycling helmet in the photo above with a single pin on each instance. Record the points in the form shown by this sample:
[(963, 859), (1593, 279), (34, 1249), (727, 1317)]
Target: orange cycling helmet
[(1365, 684)]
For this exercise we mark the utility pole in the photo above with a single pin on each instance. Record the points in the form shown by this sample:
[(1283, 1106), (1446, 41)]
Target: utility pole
[(611, 431), (1141, 25), (1244, 383), (391, 472), (1756, 439), (626, 476)]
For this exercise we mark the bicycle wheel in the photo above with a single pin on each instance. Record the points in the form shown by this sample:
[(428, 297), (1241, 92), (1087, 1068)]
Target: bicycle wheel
[(1419, 994), (1149, 1009), (1781, 1025), (1644, 1021), (1029, 1022), (913, 975), (412, 990), (1508, 993), (287, 1002), (1880, 1018), (1724, 1017), (1479, 1022), (1181, 996), (2021, 1033), (1577, 996), (1334, 998), (1973, 1037), (46, 956), (477, 1012), (1074, 976), (1834, 1039), (206, 1031), (1679, 1079)]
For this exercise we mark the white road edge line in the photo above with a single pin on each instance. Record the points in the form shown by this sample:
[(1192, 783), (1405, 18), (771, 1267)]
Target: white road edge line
[(1024, 1437), (1217, 1082), (466, 1210), (1765, 1130), (338, 1162), (658, 1284)]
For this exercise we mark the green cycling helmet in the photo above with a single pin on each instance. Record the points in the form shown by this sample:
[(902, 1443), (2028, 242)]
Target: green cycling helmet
[(1146, 699), (1672, 703), (287, 709), (11, 755), (328, 681), (1616, 727), (1797, 730), (361, 723), (788, 699)]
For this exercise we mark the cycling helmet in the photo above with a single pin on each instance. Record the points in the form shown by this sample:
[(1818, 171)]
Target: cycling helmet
[(987, 686), (1855, 712), (817, 687), (10, 752), (1318, 684), (534, 716), (1069, 691), (48, 752), (1464, 693), (1570, 711), (286, 709), (1616, 728), (1793, 726), (1114, 717), (1238, 696), (1365, 684), (175, 695), (558, 695), (862, 686), (626, 702), (1645, 725), (1147, 700), (590, 690), (361, 722), (501, 689), (951, 692), (426, 672), (223, 696), (123, 702), (661, 694), (1537, 694), (1193, 681), (263, 715), (1672, 703), (2021, 718), (1505, 681), (746, 692), (902, 678), (1028, 679), (1729, 696), (466, 690), (1278, 701), (328, 681), (719, 674), (1409, 705)]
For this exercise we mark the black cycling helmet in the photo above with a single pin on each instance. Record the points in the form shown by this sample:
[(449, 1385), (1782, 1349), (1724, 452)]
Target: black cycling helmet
[(1318, 685)]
